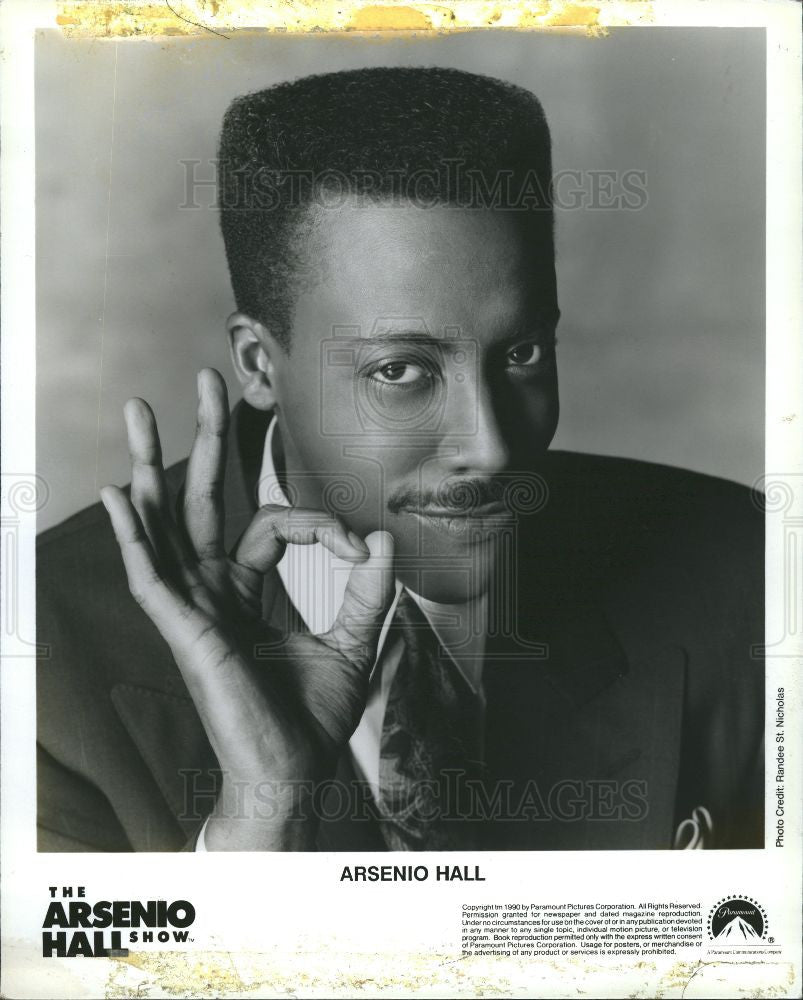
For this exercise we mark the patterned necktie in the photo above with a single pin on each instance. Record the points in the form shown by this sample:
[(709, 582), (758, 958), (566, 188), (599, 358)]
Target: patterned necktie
[(430, 726)]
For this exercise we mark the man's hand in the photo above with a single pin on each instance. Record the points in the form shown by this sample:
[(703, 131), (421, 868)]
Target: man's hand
[(277, 721)]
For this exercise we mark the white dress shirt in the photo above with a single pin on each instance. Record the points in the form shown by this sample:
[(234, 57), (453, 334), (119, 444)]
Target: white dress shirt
[(315, 581)]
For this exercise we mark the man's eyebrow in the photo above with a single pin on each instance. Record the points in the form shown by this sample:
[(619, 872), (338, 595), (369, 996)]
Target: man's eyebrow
[(542, 328), (398, 335), (401, 334)]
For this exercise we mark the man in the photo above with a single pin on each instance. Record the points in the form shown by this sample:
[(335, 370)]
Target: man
[(376, 612)]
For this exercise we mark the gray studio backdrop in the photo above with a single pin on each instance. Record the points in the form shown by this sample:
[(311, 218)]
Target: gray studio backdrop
[(661, 344)]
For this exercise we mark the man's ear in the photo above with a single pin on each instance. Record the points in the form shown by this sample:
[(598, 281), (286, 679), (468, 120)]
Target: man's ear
[(252, 349)]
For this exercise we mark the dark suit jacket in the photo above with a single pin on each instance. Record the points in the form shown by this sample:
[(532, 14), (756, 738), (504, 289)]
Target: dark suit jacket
[(629, 695)]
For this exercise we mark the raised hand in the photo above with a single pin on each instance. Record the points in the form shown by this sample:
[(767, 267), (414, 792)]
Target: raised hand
[(277, 721)]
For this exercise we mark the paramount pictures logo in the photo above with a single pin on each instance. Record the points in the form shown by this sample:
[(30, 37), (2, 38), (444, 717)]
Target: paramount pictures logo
[(738, 920)]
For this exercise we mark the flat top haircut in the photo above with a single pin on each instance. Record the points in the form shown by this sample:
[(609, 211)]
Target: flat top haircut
[(422, 136)]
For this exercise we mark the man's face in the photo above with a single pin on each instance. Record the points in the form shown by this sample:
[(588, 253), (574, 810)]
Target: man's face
[(421, 382)]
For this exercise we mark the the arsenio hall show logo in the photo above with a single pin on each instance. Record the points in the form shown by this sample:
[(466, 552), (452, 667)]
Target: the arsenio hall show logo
[(738, 920), (74, 927)]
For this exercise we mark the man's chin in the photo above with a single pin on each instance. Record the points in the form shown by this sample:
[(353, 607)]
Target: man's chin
[(444, 586), (449, 565)]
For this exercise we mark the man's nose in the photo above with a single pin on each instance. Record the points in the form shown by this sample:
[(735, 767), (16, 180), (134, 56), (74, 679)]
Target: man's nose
[(473, 441)]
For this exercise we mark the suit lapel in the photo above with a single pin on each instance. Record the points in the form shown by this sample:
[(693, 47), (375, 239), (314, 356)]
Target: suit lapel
[(173, 744), (590, 736), (349, 820)]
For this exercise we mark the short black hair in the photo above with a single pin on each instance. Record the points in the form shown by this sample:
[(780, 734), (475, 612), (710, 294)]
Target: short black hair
[(423, 134)]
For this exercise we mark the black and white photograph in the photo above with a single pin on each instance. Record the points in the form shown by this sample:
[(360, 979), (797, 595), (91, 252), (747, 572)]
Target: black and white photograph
[(409, 472), (384, 603)]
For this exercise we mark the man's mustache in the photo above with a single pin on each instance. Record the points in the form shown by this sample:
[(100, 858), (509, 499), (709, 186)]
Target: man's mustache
[(460, 495)]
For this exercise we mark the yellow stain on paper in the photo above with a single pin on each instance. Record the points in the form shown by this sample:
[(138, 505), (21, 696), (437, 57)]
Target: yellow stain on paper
[(384, 18), (130, 18), (328, 971)]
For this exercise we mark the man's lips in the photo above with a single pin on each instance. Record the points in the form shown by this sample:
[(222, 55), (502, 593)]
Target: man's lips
[(460, 522), (481, 510)]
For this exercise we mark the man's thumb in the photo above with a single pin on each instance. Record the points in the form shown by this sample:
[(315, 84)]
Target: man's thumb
[(369, 592)]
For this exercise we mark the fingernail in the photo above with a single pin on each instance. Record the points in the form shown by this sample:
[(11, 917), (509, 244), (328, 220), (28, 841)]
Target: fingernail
[(358, 543)]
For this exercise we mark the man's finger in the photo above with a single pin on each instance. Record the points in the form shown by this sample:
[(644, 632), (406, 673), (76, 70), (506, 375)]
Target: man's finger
[(185, 628), (273, 528), (149, 493), (369, 593), (145, 582), (203, 492)]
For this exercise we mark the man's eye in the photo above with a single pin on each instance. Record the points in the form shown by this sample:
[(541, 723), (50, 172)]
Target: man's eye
[(529, 354), (398, 373)]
